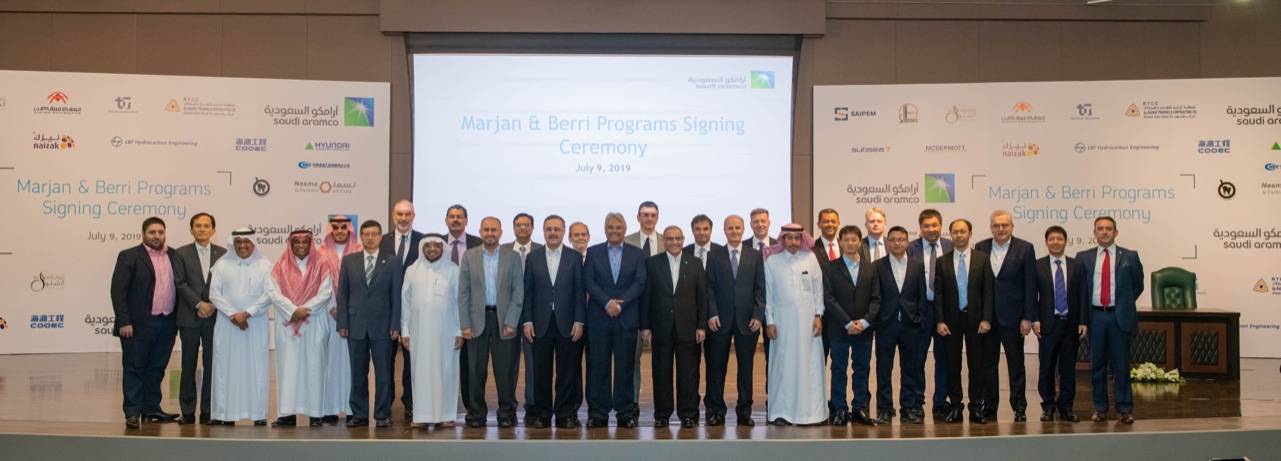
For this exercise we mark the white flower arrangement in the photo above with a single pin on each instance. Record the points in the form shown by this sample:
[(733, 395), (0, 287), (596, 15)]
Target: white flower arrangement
[(1148, 372)]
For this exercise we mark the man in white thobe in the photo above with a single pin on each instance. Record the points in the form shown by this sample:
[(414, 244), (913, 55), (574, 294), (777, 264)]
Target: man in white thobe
[(238, 289), (337, 387), (429, 315), (793, 319), (301, 286)]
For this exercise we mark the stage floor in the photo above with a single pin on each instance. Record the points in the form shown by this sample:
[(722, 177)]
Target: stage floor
[(79, 394)]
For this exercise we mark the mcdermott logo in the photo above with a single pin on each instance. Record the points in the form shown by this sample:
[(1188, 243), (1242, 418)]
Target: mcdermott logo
[(762, 79), (940, 188), (360, 111)]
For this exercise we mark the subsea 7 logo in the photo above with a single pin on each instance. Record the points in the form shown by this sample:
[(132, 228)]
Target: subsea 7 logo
[(762, 79)]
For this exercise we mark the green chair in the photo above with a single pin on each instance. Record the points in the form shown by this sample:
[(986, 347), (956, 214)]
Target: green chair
[(1173, 288)]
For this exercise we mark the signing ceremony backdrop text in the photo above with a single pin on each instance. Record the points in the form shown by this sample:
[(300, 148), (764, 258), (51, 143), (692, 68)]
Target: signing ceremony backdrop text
[(1189, 169), (85, 158)]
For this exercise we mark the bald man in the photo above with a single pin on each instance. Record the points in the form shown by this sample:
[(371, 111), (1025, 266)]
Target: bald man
[(402, 242)]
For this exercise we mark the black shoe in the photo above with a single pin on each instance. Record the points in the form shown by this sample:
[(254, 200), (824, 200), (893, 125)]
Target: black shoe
[(661, 422), (567, 423), (911, 418), (475, 423), (746, 420), (593, 423), (409, 411), (629, 423), (1126, 418), (1099, 416), (507, 422), (289, 421), (715, 420), (687, 423), (1069, 417), (538, 423), (204, 420), (977, 417), (357, 422), (839, 418), (160, 417), (780, 422), (1019, 416), (187, 419), (133, 421), (169, 416), (331, 420), (315, 422), (384, 422), (1047, 416), (941, 412), (886, 416), (860, 417), (953, 416), (260, 422)]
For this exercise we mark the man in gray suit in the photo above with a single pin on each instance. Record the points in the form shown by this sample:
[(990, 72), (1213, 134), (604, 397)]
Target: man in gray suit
[(523, 227), (651, 243), (491, 291), (195, 314)]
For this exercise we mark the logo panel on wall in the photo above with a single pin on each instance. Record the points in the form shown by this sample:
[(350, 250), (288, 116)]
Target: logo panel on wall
[(940, 188), (261, 187)]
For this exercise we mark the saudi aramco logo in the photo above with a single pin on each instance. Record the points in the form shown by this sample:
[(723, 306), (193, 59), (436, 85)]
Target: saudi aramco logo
[(940, 188), (762, 79), (358, 111)]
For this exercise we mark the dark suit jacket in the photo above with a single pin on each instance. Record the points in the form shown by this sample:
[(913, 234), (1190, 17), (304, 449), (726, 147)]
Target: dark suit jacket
[(133, 285), (982, 287), (1015, 283), (369, 311), (916, 253), (736, 300), (679, 312), (599, 280), (1045, 293), (1129, 285), (820, 252), (566, 293), (845, 302), (908, 300), (193, 286), (388, 247)]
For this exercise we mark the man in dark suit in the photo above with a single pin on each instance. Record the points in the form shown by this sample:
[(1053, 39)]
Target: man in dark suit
[(701, 228), (195, 314), (736, 311), (874, 246), (144, 295), (1059, 326), (457, 242), (1013, 262), (760, 239), (403, 242), (614, 274), (369, 317), (902, 286), (523, 228), (674, 323), (825, 247), (925, 251), (491, 296), (1113, 280), (553, 317), (853, 301), (964, 309)]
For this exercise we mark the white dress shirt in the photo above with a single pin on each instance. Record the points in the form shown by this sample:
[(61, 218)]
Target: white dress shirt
[(998, 255), (674, 262), (1095, 295)]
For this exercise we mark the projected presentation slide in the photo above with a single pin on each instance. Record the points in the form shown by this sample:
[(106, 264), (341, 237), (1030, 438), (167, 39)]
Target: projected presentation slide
[(583, 135)]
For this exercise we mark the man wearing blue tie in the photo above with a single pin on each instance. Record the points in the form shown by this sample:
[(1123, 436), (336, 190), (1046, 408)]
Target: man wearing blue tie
[(1058, 325), (964, 288), (924, 252), (614, 275), (1113, 280)]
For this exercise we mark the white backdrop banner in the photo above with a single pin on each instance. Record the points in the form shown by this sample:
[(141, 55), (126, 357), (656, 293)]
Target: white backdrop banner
[(1190, 169), (85, 158)]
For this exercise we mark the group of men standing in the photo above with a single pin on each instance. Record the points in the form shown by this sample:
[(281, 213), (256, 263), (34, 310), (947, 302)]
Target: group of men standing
[(454, 303)]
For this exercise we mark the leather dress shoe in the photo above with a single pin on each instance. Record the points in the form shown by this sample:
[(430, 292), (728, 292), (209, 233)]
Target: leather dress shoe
[(1047, 416), (911, 418), (330, 420), (839, 418), (384, 422), (133, 421), (687, 423), (187, 419), (205, 420), (1069, 417), (629, 423), (1019, 416), (507, 421), (1127, 418), (357, 422), (860, 417), (977, 417), (315, 422), (780, 422), (475, 423), (715, 420), (260, 422), (537, 423), (1099, 416), (886, 416), (955, 415), (661, 422), (289, 421), (746, 420), (567, 423), (593, 423), (160, 417)]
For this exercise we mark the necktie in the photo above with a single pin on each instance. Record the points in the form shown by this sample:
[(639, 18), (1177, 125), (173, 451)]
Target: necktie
[(369, 268), (930, 268), (760, 246), (876, 250), (1105, 287), (701, 253), (1060, 289), (204, 262), (522, 256), (400, 250), (456, 254), (831, 251), (733, 263), (646, 247), (962, 281)]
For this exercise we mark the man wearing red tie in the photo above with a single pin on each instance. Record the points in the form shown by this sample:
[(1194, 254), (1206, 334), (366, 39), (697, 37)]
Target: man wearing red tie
[(1113, 280), (826, 249)]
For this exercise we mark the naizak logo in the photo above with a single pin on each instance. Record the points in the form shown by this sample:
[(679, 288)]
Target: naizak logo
[(762, 79), (41, 141)]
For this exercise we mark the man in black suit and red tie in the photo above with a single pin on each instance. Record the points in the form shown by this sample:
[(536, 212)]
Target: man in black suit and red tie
[(1113, 279), (1059, 326), (144, 295), (963, 297)]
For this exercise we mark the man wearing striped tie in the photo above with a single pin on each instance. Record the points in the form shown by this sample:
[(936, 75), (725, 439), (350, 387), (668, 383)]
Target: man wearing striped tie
[(523, 227), (369, 318), (1059, 326)]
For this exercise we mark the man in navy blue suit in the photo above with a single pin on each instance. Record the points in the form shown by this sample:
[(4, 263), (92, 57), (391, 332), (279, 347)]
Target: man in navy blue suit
[(902, 286), (1013, 263), (923, 252), (614, 274), (1113, 278), (553, 320)]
